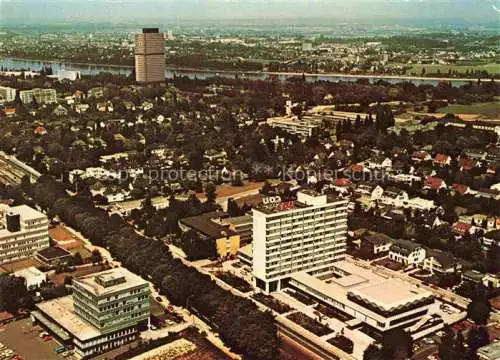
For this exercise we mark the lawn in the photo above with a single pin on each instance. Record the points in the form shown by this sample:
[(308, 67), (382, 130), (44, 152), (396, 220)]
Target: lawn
[(491, 68), (488, 109)]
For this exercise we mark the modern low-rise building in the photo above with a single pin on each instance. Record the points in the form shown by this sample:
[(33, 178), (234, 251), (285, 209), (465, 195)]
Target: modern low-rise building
[(41, 96), (307, 234), (370, 299), (105, 311), (303, 127), (23, 231)]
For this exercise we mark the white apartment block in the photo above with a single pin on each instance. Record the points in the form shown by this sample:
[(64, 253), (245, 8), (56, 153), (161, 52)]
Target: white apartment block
[(42, 96), (7, 94), (23, 231), (307, 235), (303, 127)]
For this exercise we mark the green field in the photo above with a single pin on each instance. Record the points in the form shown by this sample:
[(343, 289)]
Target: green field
[(492, 68), (489, 109)]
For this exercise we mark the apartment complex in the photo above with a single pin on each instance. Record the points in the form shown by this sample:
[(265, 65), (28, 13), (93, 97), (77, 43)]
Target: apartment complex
[(41, 96), (308, 234), (104, 312), (302, 127), (23, 232), (7, 94), (150, 56)]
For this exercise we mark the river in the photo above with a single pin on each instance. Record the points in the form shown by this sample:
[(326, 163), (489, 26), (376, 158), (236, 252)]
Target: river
[(91, 69)]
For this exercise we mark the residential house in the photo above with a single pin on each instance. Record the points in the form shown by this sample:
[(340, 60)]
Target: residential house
[(394, 197), (406, 252), (379, 162), (430, 220), (10, 112), (434, 183), (467, 164), (376, 243), (462, 229), (420, 156), (440, 262), (407, 179), (460, 189), (365, 188), (442, 160)]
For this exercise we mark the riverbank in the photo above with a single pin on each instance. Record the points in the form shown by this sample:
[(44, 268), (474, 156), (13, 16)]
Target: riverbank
[(261, 74)]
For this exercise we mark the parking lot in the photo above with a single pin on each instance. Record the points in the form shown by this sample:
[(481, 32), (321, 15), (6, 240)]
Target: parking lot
[(23, 338)]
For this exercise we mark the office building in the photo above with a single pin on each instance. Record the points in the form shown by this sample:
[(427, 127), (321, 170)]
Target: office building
[(149, 56), (23, 231), (7, 94), (41, 96), (308, 234), (71, 75), (104, 312), (371, 300)]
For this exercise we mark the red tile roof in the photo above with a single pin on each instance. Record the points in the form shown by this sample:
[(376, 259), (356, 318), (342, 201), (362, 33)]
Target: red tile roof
[(357, 168), (461, 228), (441, 158), (434, 182), (460, 188), (421, 155), (342, 182), (467, 164)]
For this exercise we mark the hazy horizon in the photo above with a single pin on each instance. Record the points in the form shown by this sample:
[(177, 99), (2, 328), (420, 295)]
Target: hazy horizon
[(126, 11)]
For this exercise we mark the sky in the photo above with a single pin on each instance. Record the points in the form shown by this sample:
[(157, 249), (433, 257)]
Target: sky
[(46, 11)]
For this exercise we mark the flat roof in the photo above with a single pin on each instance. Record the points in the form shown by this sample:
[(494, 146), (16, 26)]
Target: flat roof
[(29, 272), (61, 310), (365, 283), (91, 284), (203, 223), (246, 250), (27, 213), (53, 252), (390, 293)]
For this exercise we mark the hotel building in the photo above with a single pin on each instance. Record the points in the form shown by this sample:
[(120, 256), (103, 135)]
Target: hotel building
[(23, 232), (41, 96), (104, 312), (308, 234), (150, 56)]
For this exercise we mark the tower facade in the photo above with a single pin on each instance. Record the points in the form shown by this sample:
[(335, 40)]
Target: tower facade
[(150, 56)]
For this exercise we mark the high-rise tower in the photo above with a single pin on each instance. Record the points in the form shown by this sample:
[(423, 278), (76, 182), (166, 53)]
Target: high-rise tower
[(149, 56)]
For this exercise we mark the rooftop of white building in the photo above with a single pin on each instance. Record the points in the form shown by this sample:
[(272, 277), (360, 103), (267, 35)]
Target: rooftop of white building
[(62, 311), (366, 284), (110, 281)]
